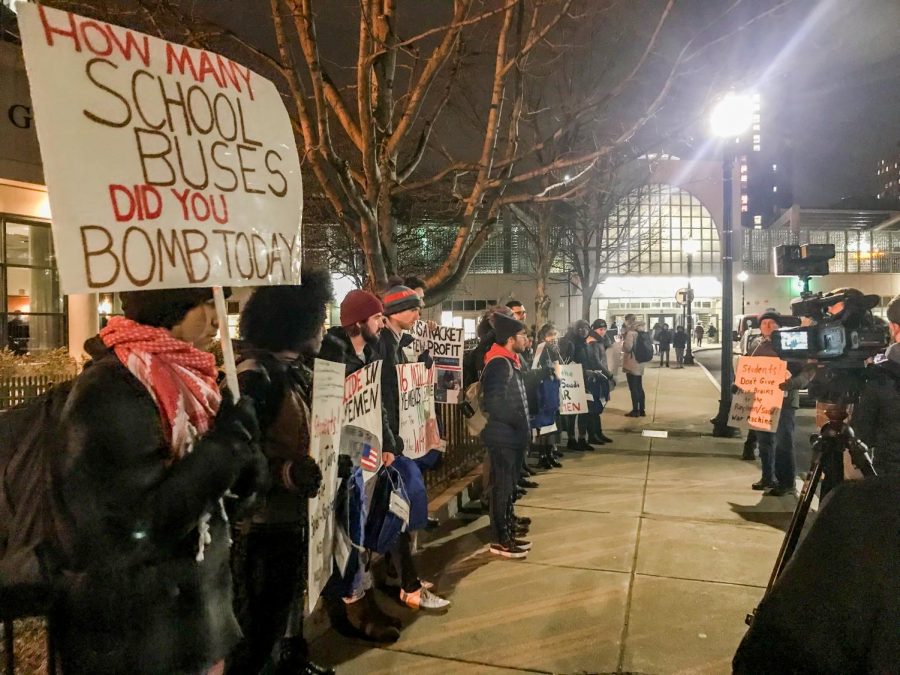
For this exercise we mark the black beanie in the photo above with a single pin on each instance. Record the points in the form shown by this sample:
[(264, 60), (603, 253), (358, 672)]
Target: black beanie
[(505, 327), (164, 308)]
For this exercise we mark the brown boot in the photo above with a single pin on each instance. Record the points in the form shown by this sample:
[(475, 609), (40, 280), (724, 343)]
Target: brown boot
[(368, 626)]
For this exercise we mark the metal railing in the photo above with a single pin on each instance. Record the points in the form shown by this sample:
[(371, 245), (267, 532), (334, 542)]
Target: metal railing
[(463, 454)]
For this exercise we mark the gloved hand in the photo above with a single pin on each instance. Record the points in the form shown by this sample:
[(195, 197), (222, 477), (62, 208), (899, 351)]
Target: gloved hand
[(237, 423), (425, 357), (307, 476)]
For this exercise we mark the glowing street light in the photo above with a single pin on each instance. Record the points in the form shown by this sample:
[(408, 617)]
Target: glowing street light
[(731, 117)]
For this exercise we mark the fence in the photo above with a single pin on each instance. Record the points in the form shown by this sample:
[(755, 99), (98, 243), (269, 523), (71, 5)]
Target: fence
[(15, 390), (463, 451)]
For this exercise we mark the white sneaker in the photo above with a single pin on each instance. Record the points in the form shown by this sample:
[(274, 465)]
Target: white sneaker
[(423, 599)]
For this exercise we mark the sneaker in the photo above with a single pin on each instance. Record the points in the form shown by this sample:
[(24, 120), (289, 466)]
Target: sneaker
[(394, 582), (525, 483), (521, 530), (509, 550), (782, 491), (605, 438), (555, 463), (763, 485), (423, 599), (523, 544)]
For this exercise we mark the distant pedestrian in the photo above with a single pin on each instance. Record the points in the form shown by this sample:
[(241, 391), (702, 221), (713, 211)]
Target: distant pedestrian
[(657, 329), (665, 343), (698, 334), (712, 333), (679, 341), (634, 369)]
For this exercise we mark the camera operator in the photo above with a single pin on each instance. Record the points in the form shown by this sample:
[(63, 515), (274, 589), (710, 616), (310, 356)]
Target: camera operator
[(875, 419), (776, 449)]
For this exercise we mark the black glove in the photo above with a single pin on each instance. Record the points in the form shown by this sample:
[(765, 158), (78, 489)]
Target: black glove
[(307, 476), (236, 427), (425, 358)]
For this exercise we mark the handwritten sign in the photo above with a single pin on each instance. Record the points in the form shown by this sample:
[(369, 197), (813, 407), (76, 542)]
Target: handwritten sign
[(758, 401), (325, 434), (166, 166), (361, 423), (418, 424), (445, 344), (572, 394)]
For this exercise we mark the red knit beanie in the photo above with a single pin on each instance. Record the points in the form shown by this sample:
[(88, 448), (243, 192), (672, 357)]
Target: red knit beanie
[(358, 306)]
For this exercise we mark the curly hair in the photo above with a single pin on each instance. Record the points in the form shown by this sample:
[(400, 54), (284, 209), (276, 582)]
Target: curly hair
[(280, 318)]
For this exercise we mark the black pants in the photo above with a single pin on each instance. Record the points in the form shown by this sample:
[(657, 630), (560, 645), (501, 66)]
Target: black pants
[(636, 387), (504, 478), (568, 425), (664, 355), (401, 557), (269, 568)]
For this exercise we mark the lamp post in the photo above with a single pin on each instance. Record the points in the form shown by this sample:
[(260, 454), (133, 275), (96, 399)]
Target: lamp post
[(730, 118), (742, 277), (691, 247)]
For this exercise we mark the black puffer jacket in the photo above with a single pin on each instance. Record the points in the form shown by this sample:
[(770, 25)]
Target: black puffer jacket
[(506, 404), (875, 419), (392, 355), (134, 597)]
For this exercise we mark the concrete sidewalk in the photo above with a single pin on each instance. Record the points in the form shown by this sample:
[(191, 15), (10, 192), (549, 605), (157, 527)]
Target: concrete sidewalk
[(647, 556)]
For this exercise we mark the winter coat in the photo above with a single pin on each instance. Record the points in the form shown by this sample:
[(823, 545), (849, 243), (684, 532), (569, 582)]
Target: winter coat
[(630, 364), (135, 599), (875, 419), (800, 377), (505, 403), (282, 391), (392, 356), (473, 360), (596, 355), (665, 338), (679, 339)]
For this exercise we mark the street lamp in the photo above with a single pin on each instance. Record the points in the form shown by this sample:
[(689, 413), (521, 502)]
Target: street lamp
[(691, 247), (742, 277), (730, 118)]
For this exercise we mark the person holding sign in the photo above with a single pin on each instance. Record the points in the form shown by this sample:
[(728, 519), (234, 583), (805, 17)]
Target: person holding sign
[(776, 449), (152, 449), (355, 344), (282, 328), (507, 432), (402, 307)]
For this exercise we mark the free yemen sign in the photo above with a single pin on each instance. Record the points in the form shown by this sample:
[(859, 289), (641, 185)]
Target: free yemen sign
[(166, 166)]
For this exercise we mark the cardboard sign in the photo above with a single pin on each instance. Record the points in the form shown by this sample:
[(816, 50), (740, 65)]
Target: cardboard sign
[(758, 401), (361, 423), (325, 434), (417, 415), (445, 344), (166, 166), (572, 393)]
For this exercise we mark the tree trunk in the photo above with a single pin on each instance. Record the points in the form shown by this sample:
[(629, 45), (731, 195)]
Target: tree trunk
[(542, 301), (587, 303)]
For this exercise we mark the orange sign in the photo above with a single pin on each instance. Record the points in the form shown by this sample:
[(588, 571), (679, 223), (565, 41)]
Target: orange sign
[(758, 401)]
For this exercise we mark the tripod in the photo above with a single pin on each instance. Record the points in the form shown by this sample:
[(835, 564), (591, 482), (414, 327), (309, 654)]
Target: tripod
[(827, 466)]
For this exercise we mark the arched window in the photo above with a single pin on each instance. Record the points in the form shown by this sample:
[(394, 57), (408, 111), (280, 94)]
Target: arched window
[(649, 227)]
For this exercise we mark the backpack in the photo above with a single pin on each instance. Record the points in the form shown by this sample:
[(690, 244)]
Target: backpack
[(643, 347), (475, 415), (31, 446)]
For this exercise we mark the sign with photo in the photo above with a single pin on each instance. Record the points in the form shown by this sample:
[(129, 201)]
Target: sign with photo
[(166, 166), (445, 344)]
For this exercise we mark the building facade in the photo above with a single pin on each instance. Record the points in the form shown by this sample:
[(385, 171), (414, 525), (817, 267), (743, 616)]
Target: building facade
[(887, 176)]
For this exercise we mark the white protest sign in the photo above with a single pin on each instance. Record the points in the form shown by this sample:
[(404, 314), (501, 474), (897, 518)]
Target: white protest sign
[(758, 401), (361, 424), (572, 394), (418, 424), (325, 434), (445, 344), (166, 166)]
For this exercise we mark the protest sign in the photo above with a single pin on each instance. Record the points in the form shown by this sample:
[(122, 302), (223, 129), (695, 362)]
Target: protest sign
[(325, 434), (361, 424), (572, 394), (417, 416), (166, 166), (445, 344), (758, 401)]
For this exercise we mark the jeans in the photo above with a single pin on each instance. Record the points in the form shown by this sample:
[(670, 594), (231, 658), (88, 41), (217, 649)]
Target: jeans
[(679, 355), (636, 387), (504, 477), (664, 355), (776, 451)]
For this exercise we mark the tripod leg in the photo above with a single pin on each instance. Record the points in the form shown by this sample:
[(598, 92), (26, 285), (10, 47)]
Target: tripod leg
[(859, 454)]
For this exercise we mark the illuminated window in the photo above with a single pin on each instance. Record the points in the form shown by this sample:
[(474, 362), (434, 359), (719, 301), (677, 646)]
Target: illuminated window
[(757, 220), (774, 188), (774, 167)]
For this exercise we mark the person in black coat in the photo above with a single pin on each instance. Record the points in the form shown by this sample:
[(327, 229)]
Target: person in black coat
[(283, 328), (507, 432), (144, 546), (665, 344)]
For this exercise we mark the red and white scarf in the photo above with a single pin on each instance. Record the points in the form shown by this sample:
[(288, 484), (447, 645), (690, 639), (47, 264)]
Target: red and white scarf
[(180, 378)]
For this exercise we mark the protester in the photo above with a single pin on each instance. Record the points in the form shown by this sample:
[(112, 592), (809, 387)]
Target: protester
[(353, 610), (282, 329), (518, 310), (599, 381), (402, 307), (634, 369), (679, 342), (574, 349), (698, 334), (507, 432), (547, 358), (776, 449), (665, 343), (657, 329), (875, 418), (153, 448)]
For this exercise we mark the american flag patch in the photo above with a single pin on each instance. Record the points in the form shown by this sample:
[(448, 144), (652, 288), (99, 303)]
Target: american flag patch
[(369, 458)]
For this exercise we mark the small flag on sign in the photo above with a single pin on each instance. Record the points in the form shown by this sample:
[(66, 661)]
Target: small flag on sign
[(369, 458)]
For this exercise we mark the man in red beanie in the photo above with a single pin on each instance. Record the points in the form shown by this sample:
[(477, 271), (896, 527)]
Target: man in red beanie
[(355, 343)]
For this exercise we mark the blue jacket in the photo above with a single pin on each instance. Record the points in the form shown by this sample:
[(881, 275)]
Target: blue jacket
[(505, 403)]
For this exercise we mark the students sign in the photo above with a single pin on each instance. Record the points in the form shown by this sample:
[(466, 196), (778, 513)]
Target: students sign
[(166, 166), (758, 401)]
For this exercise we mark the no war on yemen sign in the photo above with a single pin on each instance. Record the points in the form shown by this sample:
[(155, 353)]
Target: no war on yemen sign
[(166, 166)]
